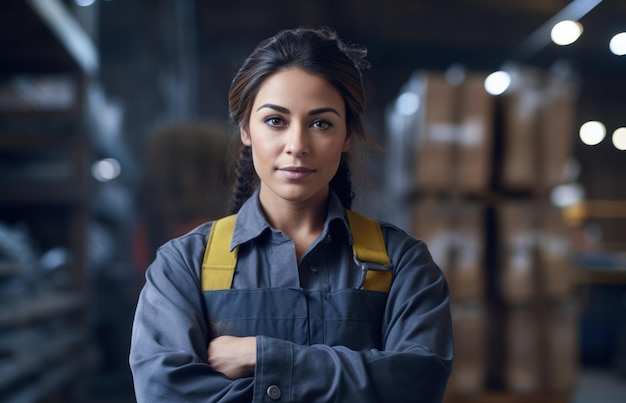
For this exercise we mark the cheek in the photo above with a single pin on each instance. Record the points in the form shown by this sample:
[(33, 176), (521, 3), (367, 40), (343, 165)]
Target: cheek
[(263, 153), (261, 146)]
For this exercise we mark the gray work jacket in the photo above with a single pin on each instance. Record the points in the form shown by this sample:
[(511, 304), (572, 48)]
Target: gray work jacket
[(319, 338)]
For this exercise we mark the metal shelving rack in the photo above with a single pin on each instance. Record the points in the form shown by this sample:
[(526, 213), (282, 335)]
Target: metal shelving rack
[(44, 154)]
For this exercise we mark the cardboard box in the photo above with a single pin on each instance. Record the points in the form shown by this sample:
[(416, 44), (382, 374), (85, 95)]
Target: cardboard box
[(517, 234), (554, 253), (523, 361), (469, 375), (557, 132), (454, 232), (538, 129), (562, 363), (474, 143), (468, 274), (520, 114), (436, 132)]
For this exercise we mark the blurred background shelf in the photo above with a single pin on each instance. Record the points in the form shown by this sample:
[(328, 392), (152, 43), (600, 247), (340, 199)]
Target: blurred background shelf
[(44, 158)]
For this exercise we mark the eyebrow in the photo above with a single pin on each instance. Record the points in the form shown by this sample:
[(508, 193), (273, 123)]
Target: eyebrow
[(311, 113), (323, 110)]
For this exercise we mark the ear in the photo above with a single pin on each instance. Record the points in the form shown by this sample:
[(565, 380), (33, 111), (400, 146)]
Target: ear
[(347, 143), (245, 136)]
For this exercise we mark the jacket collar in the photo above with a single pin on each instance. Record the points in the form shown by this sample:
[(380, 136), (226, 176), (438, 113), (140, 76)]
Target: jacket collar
[(251, 221)]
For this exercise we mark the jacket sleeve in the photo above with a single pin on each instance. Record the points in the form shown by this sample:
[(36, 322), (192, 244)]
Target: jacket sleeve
[(413, 366), (168, 356)]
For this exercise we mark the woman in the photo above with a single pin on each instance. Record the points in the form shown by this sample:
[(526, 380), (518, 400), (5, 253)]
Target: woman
[(296, 298)]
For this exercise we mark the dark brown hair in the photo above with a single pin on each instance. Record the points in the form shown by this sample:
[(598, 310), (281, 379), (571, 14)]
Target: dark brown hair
[(317, 51)]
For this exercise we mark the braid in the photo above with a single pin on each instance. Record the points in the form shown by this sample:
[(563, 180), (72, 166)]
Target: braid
[(341, 183), (246, 180)]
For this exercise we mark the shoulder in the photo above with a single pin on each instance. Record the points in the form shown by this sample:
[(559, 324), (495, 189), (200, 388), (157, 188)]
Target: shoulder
[(396, 237), (410, 257), (192, 239), (182, 254), (391, 232), (406, 249)]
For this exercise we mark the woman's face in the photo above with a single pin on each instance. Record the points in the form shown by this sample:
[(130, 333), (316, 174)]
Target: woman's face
[(297, 131)]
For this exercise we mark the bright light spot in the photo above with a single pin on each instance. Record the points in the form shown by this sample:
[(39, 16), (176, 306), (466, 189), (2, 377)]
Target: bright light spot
[(619, 138), (567, 195), (618, 44), (54, 258), (106, 169), (592, 132), (407, 103), (566, 32), (497, 82), (84, 3)]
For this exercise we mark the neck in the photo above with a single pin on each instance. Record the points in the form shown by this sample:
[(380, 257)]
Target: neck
[(301, 221)]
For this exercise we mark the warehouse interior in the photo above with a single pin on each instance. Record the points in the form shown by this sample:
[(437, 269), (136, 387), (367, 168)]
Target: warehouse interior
[(114, 138)]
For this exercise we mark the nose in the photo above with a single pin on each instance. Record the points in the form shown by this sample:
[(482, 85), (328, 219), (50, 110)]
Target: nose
[(297, 143)]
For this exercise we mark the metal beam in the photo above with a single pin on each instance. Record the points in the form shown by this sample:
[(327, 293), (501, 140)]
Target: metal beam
[(541, 37)]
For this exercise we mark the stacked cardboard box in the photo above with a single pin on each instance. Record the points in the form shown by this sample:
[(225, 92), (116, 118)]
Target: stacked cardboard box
[(454, 134), (539, 344), (537, 132), (454, 139), (454, 232), (483, 168), (520, 112), (474, 162), (436, 132), (540, 347)]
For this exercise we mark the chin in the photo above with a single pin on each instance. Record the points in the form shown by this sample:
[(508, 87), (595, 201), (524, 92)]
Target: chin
[(301, 195)]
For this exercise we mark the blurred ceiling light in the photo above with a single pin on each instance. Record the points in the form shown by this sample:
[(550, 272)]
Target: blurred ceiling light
[(592, 132), (567, 195), (617, 44), (619, 138), (566, 32), (84, 3), (106, 169), (497, 82), (407, 103)]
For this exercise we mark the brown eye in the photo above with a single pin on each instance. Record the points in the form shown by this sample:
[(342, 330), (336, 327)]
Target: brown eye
[(322, 124), (274, 121)]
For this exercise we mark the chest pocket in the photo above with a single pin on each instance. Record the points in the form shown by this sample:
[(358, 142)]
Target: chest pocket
[(368, 247)]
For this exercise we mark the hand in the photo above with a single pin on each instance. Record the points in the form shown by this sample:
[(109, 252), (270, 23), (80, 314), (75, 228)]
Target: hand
[(234, 357)]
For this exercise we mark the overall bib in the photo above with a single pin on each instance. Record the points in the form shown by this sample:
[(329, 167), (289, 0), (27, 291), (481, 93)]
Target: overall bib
[(351, 317)]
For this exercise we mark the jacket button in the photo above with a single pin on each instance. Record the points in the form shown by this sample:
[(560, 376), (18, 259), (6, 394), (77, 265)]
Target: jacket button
[(273, 392), (313, 269)]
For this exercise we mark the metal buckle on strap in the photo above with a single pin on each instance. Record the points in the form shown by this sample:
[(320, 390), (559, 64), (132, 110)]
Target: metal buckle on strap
[(365, 266)]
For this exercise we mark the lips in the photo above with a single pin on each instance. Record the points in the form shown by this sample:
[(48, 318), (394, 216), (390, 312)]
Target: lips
[(295, 173)]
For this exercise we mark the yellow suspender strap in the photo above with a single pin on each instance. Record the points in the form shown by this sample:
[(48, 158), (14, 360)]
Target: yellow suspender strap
[(218, 266), (370, 252)]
